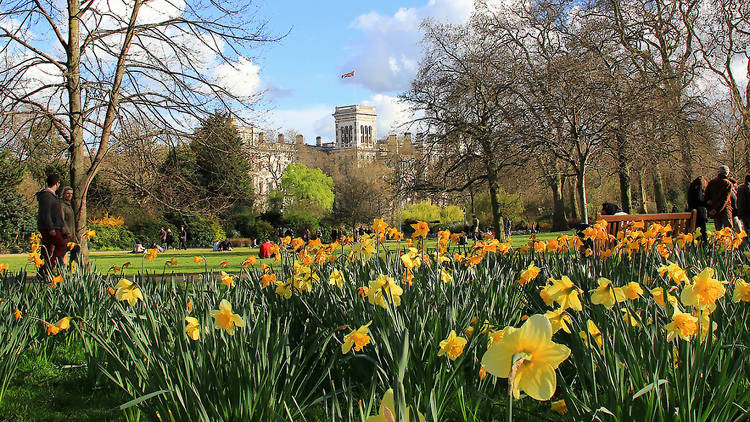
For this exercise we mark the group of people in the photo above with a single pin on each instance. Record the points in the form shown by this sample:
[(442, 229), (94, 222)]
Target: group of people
[(56, 223), (721, 199)]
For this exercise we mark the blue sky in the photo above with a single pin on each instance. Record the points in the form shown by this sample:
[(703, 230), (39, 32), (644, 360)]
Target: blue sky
[(376, 39)]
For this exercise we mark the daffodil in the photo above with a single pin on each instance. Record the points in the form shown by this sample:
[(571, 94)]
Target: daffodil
[(17, 314), (151, 254), (594, 333), (56, 280), (192, 329), (528, 274), (384, 290), (606, 294), (565, 293), (125, 290), (559, 407), (677, 274), (421, 229), (3, 267), (741, 291), (227, 279), (559, 320), (453, 346), (529, 350), (358, 338), (387, 412), (225, 319), (283, 289), (267, 279), (683, 325), (704, 291), (197, 259), (60, 325), (336, 279), (632, 290), (445, 276)]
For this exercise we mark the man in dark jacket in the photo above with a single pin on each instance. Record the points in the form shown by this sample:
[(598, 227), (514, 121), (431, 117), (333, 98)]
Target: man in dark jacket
[(743, 202), (719, 197), (50, 223), (69, 223)]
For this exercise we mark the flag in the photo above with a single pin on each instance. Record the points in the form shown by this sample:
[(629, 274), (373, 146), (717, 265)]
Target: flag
[(348, 75)]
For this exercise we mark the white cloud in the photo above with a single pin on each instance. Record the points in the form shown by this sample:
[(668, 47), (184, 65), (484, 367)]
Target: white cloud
[(386, 56), (241, 78), (392, 114)]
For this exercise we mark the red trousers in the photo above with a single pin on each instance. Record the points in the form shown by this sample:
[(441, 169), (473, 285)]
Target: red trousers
[(53, 248)]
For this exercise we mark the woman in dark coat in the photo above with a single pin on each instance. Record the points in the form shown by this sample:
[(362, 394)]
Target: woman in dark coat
[(696, 199)]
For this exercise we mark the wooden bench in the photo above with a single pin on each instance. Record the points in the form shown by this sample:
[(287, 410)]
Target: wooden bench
[(681, 222)]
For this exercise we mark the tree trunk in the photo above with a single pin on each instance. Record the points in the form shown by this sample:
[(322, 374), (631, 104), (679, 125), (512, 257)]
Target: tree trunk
[(581, 176), (746, 134), (623, 171), (497, 224), (559, 221), (644, 200), (661, 200), (78, 179), (573, 201)]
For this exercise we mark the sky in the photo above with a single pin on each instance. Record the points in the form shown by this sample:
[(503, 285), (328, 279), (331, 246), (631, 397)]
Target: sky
[(378, 40)]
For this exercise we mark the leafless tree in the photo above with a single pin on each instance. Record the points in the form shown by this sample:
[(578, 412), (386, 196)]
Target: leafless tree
[(88, 65)]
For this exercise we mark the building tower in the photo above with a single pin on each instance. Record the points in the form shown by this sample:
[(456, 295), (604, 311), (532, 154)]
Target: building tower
[(356, 127)]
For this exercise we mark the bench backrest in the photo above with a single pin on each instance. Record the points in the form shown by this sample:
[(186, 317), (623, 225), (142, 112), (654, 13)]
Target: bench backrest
[(681, 222)]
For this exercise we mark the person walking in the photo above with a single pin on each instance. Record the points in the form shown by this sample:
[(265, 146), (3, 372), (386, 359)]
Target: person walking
[(743, 202), (476, 228), (50, 224), (69, 224), (163, 238), (696, 199), (169, 240), (719, 198), (183, 238)]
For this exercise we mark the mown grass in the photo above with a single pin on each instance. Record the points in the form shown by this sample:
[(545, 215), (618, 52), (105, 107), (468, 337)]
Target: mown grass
[(106, 261)]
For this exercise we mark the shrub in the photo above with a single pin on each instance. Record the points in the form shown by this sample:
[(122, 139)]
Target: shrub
[(432, 213), (262, 230), (111, 237)]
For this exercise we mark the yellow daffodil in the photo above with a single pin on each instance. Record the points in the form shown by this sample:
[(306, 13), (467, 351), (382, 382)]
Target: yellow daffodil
[(606, 294), (17, 314), (336, 279), (267, 279), (529, 350), (704, 291), (192, 329), (227, 279), (249, 261), (632, 290), (421, 229), (127, 291), (741, 291), (594, 333), (283, 289), (565, 293), (60, 325), (387, 412), (530, 273), (56, 280), (197, 259), (627, 316), (383, 291), (151, 254), (453, 346), (559, 407), (90, 234), (223, 264), (358, 338), (559, 320), (683, 325), (445, 276), (677, 274), (225, 319), (3, 267), (172, 262)]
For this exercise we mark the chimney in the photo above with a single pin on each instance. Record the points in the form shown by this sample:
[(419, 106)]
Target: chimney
[(391, 138), (300, 139), (407, 137), (281, 138), (261, 137), (318, 141)]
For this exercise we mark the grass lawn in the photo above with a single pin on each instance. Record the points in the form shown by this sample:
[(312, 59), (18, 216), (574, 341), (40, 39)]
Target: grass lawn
[(105, 261)]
